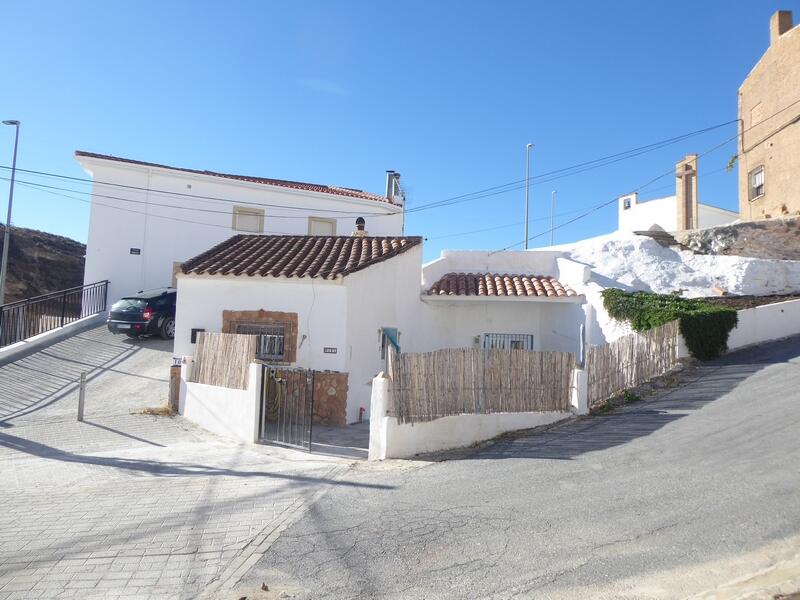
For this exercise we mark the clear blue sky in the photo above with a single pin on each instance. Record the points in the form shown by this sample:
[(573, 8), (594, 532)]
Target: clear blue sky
[(446, 92)]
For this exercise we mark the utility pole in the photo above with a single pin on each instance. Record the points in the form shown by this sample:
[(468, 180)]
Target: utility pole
[(7, 236), (527, 187), (552, 217)]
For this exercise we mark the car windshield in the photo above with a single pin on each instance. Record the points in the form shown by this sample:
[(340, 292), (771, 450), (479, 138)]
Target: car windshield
[(130, 304)]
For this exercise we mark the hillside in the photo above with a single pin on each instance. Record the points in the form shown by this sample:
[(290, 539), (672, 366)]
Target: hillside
[(40, 262)]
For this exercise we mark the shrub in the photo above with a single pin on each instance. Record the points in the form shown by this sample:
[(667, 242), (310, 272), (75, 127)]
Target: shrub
[(704, 326)]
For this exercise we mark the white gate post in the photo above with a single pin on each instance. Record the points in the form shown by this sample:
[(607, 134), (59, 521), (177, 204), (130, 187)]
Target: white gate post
[(378, 421)]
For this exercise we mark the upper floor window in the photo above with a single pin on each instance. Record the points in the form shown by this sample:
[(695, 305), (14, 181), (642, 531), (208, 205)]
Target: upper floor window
[(320, 226), (626, 204), (248, 219), (756, 178)]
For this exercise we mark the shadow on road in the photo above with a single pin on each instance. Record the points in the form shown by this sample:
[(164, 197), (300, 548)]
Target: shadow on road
[(704, 383), (159, 468)]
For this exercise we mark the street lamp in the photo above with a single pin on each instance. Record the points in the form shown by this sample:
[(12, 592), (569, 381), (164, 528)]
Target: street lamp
[(527, 187), (7, 235)]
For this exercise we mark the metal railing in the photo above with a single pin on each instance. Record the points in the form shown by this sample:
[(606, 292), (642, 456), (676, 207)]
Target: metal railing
[(26, 318)]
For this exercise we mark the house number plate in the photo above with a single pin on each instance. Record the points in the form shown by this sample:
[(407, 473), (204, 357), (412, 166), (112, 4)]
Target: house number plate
[(330, 350)]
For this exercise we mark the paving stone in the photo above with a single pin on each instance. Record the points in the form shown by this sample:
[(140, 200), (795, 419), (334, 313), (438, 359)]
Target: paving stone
[(137, 506)]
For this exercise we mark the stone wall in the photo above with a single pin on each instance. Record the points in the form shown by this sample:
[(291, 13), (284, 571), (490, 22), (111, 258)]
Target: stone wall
[(773, 238), (330, 398)]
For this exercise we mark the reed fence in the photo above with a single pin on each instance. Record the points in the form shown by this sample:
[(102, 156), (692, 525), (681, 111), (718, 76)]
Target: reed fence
[(223, 359), (454, 381), (630, 361)]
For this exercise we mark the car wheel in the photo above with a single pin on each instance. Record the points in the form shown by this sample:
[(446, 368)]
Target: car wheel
[(168, 328)]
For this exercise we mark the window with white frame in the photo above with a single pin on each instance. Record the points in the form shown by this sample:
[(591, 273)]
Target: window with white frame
[(247, 219), (756, 182), (320, 226), (507, 341)]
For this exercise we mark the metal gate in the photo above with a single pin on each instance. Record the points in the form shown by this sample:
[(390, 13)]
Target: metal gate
[(287, 406)]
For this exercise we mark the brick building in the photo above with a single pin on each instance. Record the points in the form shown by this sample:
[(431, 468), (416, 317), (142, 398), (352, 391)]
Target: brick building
[(769, 127)]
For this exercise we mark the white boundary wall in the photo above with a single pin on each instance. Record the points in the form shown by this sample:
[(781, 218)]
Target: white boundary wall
[(390, 439), (765, 323), (225, 411), (758, 325)]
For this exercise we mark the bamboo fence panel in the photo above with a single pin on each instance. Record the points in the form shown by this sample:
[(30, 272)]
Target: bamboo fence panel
[(223, 359), (630, 361), (455, 381)]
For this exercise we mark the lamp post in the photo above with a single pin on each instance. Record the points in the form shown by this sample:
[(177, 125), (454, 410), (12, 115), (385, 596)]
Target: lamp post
[(527, 187), (7, 235)]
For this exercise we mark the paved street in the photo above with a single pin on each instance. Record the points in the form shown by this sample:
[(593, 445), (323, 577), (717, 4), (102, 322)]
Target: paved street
[(664, 499), (130, 505), (674, 497)]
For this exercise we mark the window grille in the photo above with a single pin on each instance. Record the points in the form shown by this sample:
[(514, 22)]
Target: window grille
[(271, 343), (507, 341), (756, 183)]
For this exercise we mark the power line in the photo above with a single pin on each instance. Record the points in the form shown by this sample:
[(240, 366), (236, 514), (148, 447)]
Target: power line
[(566, 171), (569, 212), (671, 171), (128, 210), (500, 189)]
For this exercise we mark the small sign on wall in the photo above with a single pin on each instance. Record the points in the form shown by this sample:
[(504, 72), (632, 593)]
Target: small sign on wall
[(330, 350), (136, 251)]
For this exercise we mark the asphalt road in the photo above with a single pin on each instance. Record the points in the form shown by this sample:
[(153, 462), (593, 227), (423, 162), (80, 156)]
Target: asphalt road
[(663, 499)]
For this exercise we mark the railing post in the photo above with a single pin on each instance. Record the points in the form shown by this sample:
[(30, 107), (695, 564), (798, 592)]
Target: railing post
[(63, 307), (105, 295)]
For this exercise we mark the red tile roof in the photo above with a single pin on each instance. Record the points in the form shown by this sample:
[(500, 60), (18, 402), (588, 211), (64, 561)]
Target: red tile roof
[(297, 255), (297, 185), (495, 284)]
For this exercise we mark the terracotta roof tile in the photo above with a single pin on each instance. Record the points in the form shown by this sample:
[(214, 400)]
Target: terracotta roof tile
[(495, 284), (297, 255), (297, 185)]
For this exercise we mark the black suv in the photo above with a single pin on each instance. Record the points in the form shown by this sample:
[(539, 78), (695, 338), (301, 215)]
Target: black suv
[(145, 313)]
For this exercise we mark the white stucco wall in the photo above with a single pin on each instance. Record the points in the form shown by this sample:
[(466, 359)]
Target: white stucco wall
[(131, 218), (390, 439), (320, 306), (528, 262), (711, 216), (384, 295), (455, 322), (765, 323), (345, 314), (227, 412), (642, 215)]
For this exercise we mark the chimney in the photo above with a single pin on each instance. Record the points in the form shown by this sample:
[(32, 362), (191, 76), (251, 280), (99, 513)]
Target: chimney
[(779, 23), (360, 228), (686, 193), (393, 191)]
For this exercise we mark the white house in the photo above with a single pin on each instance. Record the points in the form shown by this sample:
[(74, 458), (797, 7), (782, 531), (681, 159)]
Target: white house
[(326, 297), (662, 214), (499, 300), (329, 298), (146, 218)]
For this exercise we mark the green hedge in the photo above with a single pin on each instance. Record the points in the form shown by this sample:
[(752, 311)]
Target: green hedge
[(704, 326)]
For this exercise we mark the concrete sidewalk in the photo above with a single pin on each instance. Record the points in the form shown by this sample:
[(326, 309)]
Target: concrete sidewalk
[(130, 505)]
